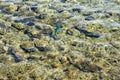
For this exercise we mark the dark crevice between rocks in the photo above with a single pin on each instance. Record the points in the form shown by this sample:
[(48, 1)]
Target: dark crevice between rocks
[(12, 52), (87, 33)]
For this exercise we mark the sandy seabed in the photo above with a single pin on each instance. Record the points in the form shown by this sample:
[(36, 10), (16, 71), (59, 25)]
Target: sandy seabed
[(59, 39)]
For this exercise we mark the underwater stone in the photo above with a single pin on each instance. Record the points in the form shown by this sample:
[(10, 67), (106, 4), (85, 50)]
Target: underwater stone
[(36, 35), (4, 60), (19, 21), (31, 14), (43, 48), (115, 44), (15, 14), (41, 16), (56, 64), (61, 48), (86, 66), (4, 28), (69, 32), (59, 11), (87, 33), (89, 18), (40, 27), (34, 8), (12, 52), (99, 11), (23, 8), (30, 49), (76, 9), (74, 43), (42, 45), (32, 33), (63, 59), (28, 19), (2, 25), (30, 23), (107, 15), (85, 13), (2, 50), (115, 29), (11, 8), (18, 26), (47, 31), (2, 32), (55, 38), (28, 46), (31, 58), (6, 12)]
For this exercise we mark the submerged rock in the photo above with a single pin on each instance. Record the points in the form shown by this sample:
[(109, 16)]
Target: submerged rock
[(34, 8), (33, 33), (11, 8), (41, 16), (47, 31), (76, 9), (12, 52), (2, 50), (115, 44), (87, 67), (28, 46), (30, 24), (2, 31), (69, 32), (18, 26), (89, 34), (42, 46), (89, 18)]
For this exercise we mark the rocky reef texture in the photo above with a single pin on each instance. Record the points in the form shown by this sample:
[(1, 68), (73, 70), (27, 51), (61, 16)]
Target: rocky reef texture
[(59, 40)]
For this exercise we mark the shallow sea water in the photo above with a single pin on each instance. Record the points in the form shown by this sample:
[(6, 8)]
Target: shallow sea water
[(59, 39)]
